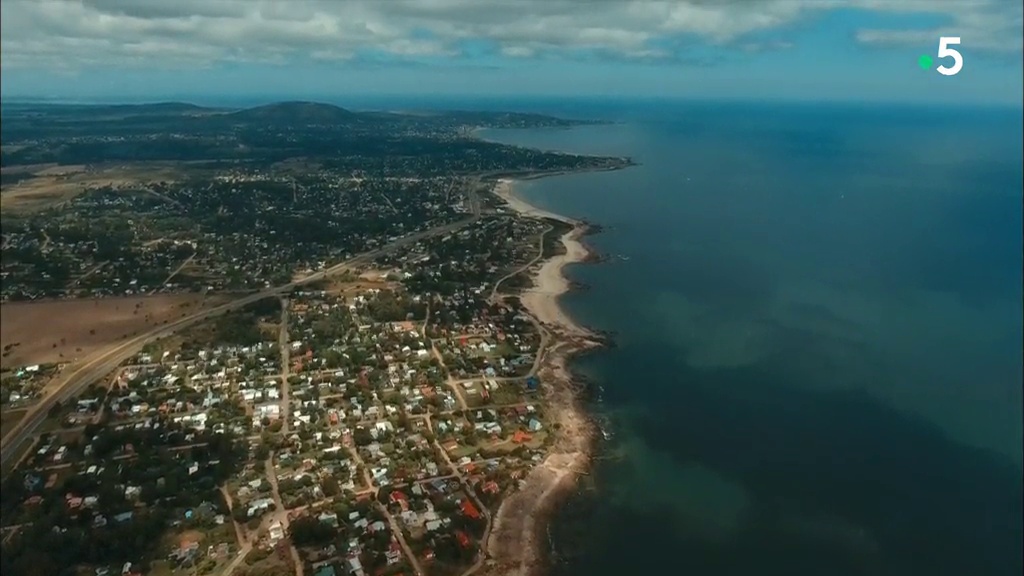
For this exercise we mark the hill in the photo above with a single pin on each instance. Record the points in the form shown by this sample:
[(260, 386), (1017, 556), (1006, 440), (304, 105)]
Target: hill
[(294, 113), (96, 111)]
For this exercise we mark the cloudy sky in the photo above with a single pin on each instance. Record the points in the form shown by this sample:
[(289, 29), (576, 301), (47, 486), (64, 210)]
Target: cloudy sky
[(805, 49)]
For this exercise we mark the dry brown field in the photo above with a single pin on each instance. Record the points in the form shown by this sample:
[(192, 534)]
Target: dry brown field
[(63, 330), (351, 284), (52, 184)]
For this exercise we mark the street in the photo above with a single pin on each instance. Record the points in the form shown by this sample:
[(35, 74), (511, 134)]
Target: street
[(103, 363)]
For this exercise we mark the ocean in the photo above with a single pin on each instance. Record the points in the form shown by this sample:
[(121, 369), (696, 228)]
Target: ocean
[(818, 319)]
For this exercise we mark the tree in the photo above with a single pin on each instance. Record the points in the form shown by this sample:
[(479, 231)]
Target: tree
[(362, 437), (262, 452), (330, 487), (308, 531)]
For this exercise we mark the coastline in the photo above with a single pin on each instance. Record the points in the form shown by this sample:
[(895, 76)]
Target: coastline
[(515, 542), (548, 281)]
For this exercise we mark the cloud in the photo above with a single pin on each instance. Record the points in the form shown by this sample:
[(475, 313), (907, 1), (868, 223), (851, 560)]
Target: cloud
[(984, 25), (72, 34)]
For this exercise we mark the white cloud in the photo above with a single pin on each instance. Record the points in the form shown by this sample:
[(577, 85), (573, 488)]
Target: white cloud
[(69, 34), (981, 24)]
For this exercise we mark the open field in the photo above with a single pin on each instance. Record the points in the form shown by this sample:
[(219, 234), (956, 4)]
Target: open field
[(52, 184), (350, 285), (63, 330)]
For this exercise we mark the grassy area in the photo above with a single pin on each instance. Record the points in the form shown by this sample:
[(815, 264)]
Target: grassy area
[(473, 395), (553, 239), (503, 446), (268, 562), (508, 393), (463, 451)]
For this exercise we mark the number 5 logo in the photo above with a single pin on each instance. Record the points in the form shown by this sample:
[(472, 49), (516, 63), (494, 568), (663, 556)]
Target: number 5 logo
[(945, 50)]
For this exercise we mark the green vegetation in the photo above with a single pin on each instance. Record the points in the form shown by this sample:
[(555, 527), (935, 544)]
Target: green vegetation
[(553, 239), (62, 530)]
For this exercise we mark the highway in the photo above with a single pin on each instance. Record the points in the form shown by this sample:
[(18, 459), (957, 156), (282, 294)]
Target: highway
[(99, 366)]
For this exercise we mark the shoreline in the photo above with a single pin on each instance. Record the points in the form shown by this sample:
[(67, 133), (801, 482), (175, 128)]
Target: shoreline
[(548, 281), (515, 545)]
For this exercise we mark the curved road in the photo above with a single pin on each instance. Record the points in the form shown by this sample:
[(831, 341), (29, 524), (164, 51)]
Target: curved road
[(99, 366)]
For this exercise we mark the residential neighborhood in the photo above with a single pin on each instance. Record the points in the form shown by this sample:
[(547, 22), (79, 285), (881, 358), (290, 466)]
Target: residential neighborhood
[(366, 424), (286, 339)]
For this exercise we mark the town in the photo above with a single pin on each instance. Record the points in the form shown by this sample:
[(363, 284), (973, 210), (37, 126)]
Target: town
[(369, 418), (379, 426)]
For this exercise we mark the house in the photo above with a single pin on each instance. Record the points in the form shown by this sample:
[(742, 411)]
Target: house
[(354, 567), (259, 506), (276, 532), (394, 553), (469, 509)]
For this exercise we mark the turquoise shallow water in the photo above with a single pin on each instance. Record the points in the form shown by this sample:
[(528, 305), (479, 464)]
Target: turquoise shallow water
[(818, 318)]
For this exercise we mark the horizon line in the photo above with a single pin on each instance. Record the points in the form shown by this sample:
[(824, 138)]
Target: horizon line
[(332, 99)]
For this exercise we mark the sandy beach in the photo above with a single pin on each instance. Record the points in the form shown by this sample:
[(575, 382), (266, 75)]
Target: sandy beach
[(549, 282), (514, 546)]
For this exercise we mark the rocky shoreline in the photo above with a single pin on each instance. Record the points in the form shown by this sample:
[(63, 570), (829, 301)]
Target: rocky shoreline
[(516, 542)]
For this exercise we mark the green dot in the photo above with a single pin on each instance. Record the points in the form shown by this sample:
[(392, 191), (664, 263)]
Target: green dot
[(925, 62)]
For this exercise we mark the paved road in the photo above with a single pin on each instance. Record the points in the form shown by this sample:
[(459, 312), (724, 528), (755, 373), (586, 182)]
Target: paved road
[(99, 366), (396, 530), (540, 253)]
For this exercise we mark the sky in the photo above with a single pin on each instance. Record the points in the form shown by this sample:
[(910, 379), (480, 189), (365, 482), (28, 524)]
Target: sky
[(816, 50)]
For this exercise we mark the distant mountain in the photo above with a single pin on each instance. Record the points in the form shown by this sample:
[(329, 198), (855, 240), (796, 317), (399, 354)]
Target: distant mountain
[(27, 121), (160, 108), (107, 110), (294, 113)]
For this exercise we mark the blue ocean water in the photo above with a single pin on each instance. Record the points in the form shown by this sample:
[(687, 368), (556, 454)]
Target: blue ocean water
[(818, 318)]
